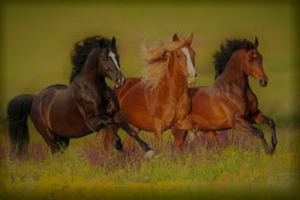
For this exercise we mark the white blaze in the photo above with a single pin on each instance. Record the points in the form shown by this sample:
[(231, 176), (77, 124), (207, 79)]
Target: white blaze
[(113, 57), (191, 69)]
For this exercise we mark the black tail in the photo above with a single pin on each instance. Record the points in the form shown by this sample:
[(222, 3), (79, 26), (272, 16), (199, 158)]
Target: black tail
[(17, 113)]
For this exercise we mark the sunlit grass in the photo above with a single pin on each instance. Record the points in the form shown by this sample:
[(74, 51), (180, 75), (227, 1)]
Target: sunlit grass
[(239, 164)]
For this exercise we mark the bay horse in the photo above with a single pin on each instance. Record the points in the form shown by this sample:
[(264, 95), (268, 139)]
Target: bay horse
[(60, 112), (230, 102), (160, 98)]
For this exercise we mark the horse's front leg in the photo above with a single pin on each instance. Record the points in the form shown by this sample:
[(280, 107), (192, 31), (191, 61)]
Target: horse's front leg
[(245, 125), (179, 137), (180, 131), (259, 117), (119, 120), (96, 122), (113, 109)]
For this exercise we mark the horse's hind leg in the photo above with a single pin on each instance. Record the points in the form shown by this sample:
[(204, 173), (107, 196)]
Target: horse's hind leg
[(44, 131), (48, 136), (261, 118), (61, 142)]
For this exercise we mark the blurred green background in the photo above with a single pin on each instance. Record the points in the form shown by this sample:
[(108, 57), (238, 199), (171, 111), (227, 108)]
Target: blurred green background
[(37, 40)]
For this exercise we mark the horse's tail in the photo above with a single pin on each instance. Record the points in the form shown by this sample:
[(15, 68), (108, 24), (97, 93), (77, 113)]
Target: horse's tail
[(17, 113)]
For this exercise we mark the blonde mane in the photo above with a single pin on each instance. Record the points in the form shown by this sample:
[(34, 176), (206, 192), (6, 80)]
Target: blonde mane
[(156, 65)]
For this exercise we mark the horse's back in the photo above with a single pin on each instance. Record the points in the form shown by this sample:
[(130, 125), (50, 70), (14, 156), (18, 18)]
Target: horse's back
[(46, 97)]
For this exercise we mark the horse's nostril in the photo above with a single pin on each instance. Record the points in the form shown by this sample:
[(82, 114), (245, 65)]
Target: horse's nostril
[(263, 83)]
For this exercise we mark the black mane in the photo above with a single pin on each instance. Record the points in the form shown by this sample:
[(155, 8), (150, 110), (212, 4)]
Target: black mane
[(82, 49), (222, 56)]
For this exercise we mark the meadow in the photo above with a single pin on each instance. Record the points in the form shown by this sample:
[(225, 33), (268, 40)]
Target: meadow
[(37, 40)]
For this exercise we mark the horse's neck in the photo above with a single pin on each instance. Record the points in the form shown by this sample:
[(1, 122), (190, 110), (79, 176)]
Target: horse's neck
[(90, 74), (177, 83), (233, 75)]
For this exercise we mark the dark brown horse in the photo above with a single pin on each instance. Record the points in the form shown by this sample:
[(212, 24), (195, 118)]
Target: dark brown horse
[(230, 102), (160, 98), (61, 112)]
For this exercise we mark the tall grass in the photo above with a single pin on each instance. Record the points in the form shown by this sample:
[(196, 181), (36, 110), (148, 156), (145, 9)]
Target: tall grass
[(86, 169)]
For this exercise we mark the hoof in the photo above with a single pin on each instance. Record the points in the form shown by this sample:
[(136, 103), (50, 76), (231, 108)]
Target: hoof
[(118, 146), (272, 151), (117, 151), (149, 154)]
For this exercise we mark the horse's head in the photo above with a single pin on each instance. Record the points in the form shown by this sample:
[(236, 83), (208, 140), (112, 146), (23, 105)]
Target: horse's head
[(184, 56), (109, 65), (169, 57), (253, 64)]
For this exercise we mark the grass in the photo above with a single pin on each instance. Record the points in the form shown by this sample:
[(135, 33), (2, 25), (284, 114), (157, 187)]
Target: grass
[(86, 169), (36, 44)]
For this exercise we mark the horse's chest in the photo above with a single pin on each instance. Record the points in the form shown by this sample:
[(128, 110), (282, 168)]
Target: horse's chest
[(168, 107), (237, 105), (175, 111)]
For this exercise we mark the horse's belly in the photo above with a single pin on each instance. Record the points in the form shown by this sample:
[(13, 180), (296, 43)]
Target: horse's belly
[(209, 115), (133, 105), (210, 123), (65, 120), (136, 113)]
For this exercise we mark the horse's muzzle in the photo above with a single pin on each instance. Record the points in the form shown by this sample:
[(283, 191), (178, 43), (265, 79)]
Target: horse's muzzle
[(191, 79), (120, 81), (263, 83)]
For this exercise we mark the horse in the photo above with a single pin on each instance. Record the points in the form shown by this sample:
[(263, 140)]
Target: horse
[(230, 102), (60, 112), (159, 98)]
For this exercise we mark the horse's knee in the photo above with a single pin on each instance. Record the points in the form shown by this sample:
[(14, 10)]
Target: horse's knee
[(179, 137), (271, 123), (211, 135)]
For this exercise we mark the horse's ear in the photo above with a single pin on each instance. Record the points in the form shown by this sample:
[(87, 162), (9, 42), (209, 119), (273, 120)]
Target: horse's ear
[(190, 39), (256, 42), (175, 37), (113, 41)]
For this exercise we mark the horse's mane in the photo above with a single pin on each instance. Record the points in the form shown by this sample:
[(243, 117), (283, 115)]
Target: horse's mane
[(222, 56), (156, 62), (82, 49)]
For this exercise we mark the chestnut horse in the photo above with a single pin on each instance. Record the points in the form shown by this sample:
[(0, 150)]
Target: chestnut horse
[(160, 98), (61, 112), (230, 102)]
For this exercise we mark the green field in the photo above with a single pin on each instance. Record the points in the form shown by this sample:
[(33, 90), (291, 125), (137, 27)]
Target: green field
[(36, 43)]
